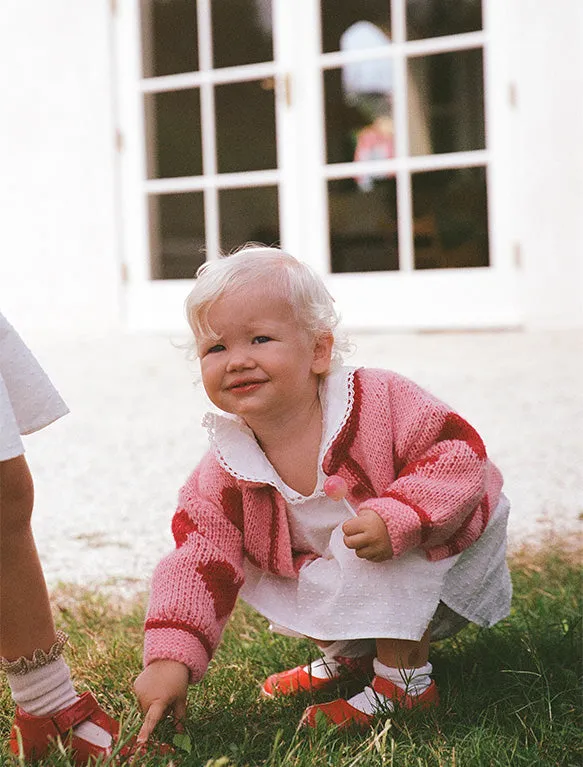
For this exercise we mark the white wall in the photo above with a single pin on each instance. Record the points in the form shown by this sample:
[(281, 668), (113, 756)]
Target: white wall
[(547, 70), (58, 259)]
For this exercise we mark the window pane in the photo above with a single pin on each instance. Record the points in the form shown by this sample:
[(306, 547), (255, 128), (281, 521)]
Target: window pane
[(242, 32), (450, 218), (248, 215), (363, 225), (245, 126), (353, 24), (177, 235), (359, 124), (169, 37), (435, 18), (446, 102), (173, 134)]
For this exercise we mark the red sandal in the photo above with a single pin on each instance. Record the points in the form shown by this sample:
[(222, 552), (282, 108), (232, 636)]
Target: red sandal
[(33, 736), (297, 680), (340, 713)]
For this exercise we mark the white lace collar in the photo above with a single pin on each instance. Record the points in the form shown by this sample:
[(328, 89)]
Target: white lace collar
[(239, 453)]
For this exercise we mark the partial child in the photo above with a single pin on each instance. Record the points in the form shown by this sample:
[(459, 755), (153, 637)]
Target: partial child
[(423, 553), (48, 707)]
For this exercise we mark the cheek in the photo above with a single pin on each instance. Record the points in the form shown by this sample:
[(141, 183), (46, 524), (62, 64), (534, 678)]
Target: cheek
[(210, 377)]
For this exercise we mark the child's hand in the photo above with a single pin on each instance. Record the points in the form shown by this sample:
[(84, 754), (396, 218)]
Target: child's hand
[(367, 534), (163, 684)]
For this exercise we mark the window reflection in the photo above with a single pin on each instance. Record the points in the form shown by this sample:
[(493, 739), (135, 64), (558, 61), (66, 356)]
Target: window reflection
[(242, 32), (169, 37), (173, 134), (248, 215), (446, 102), (359, 121), (367, 87), (245, 127), (450, 218), (338, 17), (363, 227), (177, 235), (435, 18)]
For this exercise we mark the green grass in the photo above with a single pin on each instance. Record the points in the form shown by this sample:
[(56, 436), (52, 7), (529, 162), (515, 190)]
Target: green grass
[(509, 695)]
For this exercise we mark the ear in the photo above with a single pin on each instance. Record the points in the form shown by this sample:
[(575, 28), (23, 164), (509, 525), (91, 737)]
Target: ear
[(322, 353)]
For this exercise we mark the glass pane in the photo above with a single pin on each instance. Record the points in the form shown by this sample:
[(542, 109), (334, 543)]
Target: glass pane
[(242, 32), (173, 134), (245, 126), (363, 225), (446, 102), (450, 218), (435, 18), (248, 215), (177, 237), (353, 24), (359, 124), (169, 37)]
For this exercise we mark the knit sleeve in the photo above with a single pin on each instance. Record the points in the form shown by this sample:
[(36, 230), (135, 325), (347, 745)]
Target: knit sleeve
[(440, 474), (194, 588)]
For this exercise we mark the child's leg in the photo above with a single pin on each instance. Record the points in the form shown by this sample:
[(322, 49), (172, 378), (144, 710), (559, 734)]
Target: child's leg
[(402, 653), (40, 682), (26, 623)]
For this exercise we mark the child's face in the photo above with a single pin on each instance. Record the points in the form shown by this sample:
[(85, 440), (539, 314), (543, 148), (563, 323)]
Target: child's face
[(263, 365)]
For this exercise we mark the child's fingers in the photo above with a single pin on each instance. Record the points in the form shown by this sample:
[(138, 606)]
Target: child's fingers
[(179, 714), (353, 526), (153, 716), (357, 542)]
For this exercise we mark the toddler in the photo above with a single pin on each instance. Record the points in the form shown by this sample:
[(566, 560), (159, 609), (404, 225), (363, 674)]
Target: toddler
[(414, 551)]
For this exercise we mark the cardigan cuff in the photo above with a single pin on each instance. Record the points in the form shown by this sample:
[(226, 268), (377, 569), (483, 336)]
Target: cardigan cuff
[(178, 645), (403, 523)]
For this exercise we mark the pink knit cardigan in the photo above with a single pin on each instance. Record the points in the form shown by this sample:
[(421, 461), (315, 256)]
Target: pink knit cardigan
[(403, 453)]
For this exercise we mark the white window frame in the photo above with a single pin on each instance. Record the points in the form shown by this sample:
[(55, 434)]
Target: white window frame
[(479, 297)]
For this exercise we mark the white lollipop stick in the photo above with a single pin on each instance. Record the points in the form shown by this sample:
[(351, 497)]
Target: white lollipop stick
[(336, 488)]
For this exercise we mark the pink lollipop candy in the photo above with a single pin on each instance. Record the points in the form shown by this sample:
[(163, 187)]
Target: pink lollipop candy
[(336, 488)]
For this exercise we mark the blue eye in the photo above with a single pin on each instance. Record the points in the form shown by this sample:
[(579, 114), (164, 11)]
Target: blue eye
[(216, 348), (261, 339)]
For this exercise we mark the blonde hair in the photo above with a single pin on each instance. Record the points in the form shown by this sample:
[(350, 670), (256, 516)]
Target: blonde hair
[(254, 264)]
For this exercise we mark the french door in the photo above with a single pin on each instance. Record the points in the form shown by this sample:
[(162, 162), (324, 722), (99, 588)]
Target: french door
[(367, 138)]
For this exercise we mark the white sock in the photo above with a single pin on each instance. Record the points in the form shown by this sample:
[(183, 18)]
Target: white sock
[(414, 680), (46, 690), (327, 666)]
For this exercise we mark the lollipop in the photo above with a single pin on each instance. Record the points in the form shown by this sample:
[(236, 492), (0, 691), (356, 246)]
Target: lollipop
[(336, 488)]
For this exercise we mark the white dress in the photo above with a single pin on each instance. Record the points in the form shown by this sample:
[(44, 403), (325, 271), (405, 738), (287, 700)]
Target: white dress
[(28, 400), (338, 595)]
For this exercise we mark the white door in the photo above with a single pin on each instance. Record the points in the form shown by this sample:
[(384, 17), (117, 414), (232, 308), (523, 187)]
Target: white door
[(367, 138)]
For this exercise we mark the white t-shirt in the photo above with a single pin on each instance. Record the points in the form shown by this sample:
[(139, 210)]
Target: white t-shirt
[(28, 399)]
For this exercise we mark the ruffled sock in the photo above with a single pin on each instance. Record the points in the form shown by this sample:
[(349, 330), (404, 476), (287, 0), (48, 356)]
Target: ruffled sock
[(48, 689), (414, 681)]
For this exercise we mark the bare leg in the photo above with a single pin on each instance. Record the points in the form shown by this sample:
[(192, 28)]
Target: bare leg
[(26, 621), (402, 653)]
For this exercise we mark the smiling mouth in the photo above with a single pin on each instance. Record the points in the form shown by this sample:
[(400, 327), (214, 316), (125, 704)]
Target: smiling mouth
[(244, 385)]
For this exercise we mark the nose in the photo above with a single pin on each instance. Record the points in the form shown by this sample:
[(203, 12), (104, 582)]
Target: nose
[(240, 359)]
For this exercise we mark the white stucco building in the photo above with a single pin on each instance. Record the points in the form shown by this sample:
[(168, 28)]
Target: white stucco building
[(425, 155)]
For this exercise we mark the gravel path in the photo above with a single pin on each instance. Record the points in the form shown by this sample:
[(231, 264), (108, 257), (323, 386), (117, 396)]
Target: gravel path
[(107, 475)]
